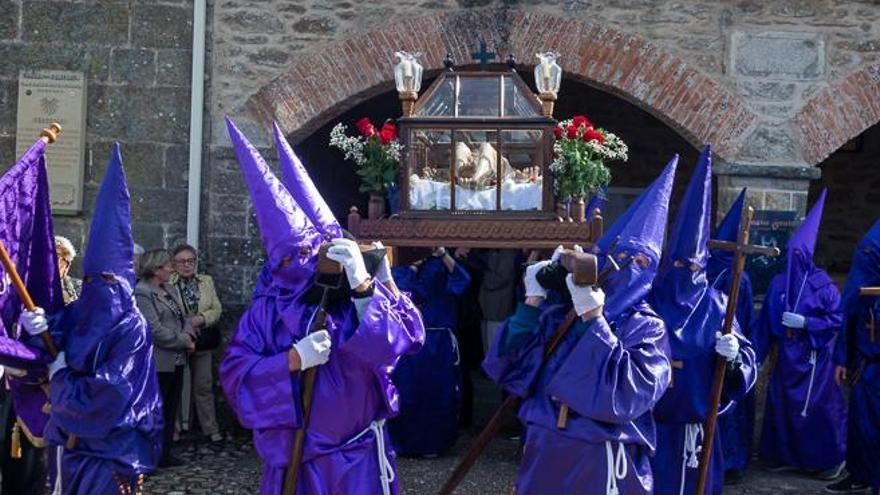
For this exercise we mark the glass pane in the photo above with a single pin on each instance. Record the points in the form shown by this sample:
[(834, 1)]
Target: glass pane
[(479, 96), (441, 103), (518, 103), (522, 167), (429, 158), (476, 162)]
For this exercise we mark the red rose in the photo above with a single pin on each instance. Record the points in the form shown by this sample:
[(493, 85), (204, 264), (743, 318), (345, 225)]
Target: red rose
[(572, 131), (365, 127), (580, 120), (388, 133), (557, 131), (594, 135)]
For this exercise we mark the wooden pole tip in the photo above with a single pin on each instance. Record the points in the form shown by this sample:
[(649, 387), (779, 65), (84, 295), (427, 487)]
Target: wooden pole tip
[(51, 133)]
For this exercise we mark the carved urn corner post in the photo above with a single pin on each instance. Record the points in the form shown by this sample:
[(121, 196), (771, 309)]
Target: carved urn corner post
[(376, 206)]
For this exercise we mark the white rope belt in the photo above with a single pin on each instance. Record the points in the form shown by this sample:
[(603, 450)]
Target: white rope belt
[(386, 470), (59, 451), (812, 379), (617, 467), (693, 445)]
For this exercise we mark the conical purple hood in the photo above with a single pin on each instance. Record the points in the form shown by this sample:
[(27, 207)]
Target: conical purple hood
[(804, 238), (111, 245), (728, 230), (690, 232), (681, 284), (641, 230), (865, 268), (284, 227), (800, 250), (646, 225), (303, 190)]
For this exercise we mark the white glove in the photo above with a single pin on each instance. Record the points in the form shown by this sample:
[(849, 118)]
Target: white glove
[(557, 253), (347, 253), (313, 349), (533, 287), (439, 252), (584, 298), (34, 322), (794, 320), (577, 248), (56, 366), (727, 345), (383, 273)]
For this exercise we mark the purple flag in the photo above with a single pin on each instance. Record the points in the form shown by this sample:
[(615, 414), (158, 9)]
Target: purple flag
[(26, 232)]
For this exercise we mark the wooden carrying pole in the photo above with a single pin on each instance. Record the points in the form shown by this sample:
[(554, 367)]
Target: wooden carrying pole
[(870, 291), (740, 248)]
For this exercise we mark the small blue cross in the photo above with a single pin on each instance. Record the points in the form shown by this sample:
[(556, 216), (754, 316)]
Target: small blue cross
[(483, 56)]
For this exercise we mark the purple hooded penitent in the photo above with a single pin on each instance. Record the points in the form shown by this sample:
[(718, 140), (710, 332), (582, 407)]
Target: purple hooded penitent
[(344, 453), (858, 349), (108, 395), (610, 370), (693, 312), (805, 419), (738, 422), (26, 233)]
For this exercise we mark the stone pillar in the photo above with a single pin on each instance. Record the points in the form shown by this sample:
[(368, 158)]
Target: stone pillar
[(770, 187)]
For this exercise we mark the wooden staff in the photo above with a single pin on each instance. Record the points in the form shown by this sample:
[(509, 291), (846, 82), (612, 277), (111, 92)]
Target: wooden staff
[(740, 248), (870, 291)]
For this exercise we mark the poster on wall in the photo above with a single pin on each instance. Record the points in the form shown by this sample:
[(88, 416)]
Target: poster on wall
[(769, 228), (44, 97)]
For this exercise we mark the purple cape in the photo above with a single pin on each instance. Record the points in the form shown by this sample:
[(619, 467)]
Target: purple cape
[(610, 400), (341, 450), (805, 418), (693, 312), (108, 395), (859, 350)]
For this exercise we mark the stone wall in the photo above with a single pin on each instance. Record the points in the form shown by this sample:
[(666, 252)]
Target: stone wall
[(137, 59), (769, 83)]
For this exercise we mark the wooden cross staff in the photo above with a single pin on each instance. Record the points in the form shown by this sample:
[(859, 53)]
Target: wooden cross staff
[(740, 248)]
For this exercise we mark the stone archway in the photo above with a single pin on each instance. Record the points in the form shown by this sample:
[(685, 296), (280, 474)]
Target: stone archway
[(322, 84), (838, 113)]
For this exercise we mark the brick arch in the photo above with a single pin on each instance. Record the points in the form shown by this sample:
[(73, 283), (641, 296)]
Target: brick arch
[(838, 113), (320, 85)]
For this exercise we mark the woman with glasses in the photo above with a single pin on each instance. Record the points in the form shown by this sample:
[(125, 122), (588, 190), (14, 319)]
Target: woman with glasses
[(202, 308)]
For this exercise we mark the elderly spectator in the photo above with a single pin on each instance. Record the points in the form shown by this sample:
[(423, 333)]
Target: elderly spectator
[(202, 309), (138, 252), (70, 287), (172, 334)]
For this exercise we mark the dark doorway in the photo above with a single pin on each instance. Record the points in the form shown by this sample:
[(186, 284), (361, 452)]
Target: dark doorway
[(853, 203)]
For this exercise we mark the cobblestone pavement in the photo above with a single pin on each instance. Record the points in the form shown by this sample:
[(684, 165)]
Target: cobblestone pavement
[(235, 469)]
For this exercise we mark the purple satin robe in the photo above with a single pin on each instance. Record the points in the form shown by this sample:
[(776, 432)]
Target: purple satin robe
[(108, 395), (353, 390), (682, 410), (805, 418), (610, 375)]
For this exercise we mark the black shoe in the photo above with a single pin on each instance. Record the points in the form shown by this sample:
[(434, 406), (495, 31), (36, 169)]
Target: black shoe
[(733, 477), (832, 473), (775, 467), (171, 461), (846, 485)]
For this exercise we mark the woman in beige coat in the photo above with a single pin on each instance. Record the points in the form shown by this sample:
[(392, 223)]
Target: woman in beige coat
[(202, 308), (173, 337)]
